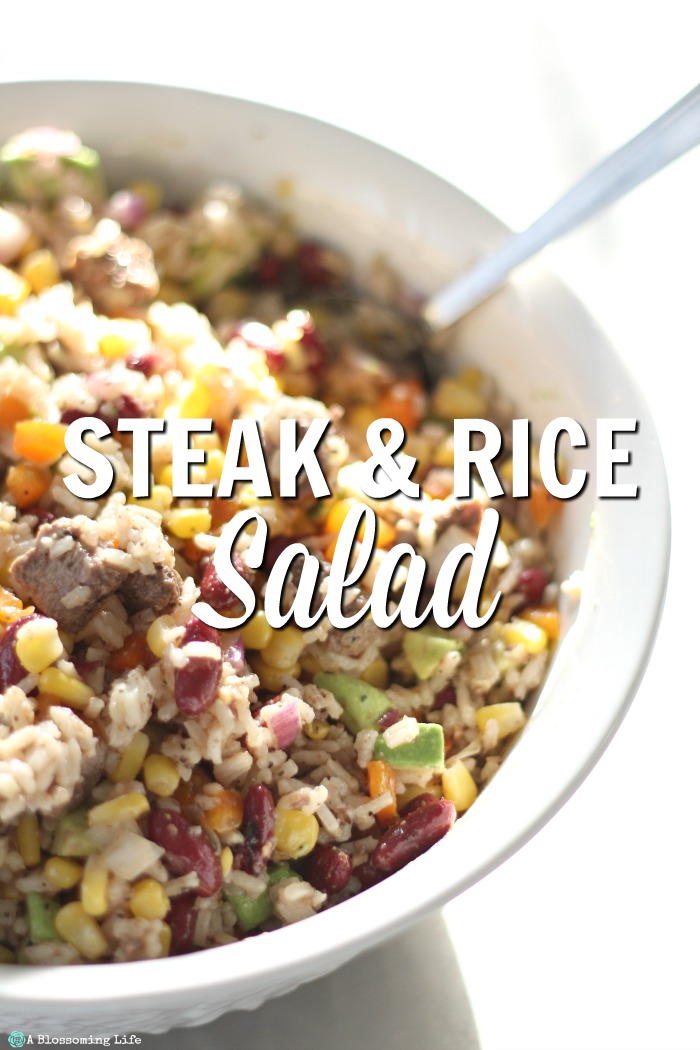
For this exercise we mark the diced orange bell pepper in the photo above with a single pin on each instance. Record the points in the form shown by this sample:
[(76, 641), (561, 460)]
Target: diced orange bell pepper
[(27, 483), (222, 510), (405, 402), (543, 506), (381, 777), (546, 617), (12, 410), (11, 607), (133, 652), (40, 442)]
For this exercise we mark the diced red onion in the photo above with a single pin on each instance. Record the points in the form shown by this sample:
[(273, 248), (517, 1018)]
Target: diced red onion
[(283, 718), (235, 655), (127, 208)]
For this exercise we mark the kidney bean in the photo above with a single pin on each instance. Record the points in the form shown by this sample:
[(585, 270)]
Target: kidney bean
[(274, 548), (154, 361), (11, 670), (197, 683), (182, 919), (214, 590), (258, 829), (389, 718), (185, 850), (368, 875), (329, 869), (447, 695), (270, 269), (531, 585), (413, 835), (312, 260)]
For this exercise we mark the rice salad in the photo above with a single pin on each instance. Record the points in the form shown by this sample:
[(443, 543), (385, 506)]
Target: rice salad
[(164, 786)]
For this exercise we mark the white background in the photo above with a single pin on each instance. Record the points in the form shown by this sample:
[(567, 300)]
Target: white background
[(588, 938)]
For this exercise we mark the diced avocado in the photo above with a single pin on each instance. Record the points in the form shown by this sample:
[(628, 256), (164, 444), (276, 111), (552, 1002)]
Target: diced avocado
[(362, 704), (45, 164), (250, 911), (41, 916), (426, 751), (71, 837), (278, 872), (425, 649)]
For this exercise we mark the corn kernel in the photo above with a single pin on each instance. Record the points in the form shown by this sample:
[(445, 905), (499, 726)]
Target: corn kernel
[(414, 790), (196, 400), (28, 842), (377, 673), (37, 644), (284, 649), (226, 861), (214, 466), (508, 532), (226, 814), (458, 786), (149, 900), (296, 833), (522, 632), (272, 678), (210, 440), (508, 716), (444, 454), (130, 761), (360, 418), (256, 633), (186, 522), (62, 873), (40, 269), (317, 730), (67, 688), (94, 886), (78, 928), (124, 807), (160, 775), (157, 636), (6, 955), (165, 476), (160, 499), (13, 290)]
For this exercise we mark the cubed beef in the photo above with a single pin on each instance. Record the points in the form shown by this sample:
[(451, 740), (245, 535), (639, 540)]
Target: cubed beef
[(51, 580)]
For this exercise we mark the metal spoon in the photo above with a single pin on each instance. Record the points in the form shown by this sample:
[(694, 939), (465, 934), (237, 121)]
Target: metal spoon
[(670, 136)]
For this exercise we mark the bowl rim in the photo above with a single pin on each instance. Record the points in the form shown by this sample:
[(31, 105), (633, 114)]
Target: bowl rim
[(380, 911)]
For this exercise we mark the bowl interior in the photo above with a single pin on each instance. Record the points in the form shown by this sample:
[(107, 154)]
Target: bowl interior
[(548, 357)]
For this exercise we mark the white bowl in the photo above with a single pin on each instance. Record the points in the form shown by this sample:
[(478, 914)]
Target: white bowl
[(549, 356)]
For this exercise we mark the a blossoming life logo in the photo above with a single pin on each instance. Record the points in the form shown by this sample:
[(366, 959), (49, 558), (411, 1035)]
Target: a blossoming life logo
[(16, 1038)]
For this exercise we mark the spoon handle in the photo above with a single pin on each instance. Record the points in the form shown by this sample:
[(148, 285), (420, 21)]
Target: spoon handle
[(671, 135)]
